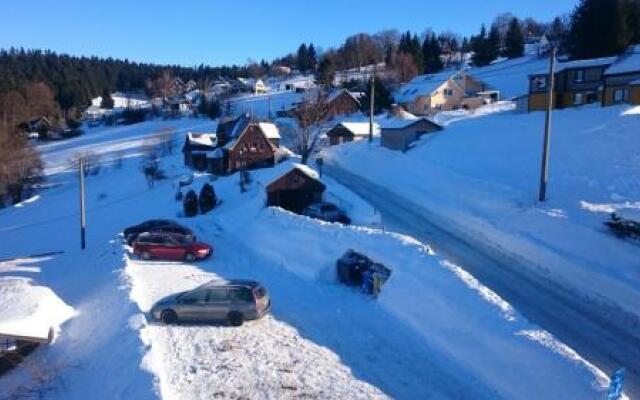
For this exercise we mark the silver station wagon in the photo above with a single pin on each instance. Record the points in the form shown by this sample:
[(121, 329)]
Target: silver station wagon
[(234, 301)]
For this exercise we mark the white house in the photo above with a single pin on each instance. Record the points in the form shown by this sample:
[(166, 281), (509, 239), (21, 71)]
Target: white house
[(125, 100)]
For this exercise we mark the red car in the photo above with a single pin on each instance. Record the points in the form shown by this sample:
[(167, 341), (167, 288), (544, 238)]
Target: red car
[(170, 247)]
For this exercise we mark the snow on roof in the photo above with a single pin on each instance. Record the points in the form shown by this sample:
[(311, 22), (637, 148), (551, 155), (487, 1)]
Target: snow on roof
[(628, 62), (355, 95), (422, 85), (132, 96), (30, 310), (361, 128), (593, 62), (308, 171), (270, 130), (204, 139), (634, 83)]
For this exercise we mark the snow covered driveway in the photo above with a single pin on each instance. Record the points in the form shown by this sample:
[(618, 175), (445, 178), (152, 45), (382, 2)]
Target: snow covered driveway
[(262, 359)]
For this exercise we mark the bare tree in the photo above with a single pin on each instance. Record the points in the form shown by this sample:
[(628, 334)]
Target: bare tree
[(166, 141), (404, 67), (150, 165), (91, 160), (20, 167), (310, 114)]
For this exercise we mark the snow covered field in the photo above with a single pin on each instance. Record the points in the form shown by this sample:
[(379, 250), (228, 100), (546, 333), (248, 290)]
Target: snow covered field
[(435, 332)]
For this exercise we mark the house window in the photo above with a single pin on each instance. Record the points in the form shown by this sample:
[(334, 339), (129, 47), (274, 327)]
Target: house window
[(539, 83), (448, 92), (620, 95), (578, 99), (579, 76)]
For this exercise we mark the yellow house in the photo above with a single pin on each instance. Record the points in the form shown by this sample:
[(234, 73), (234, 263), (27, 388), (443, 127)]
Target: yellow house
[(445, 91), (622, 79)]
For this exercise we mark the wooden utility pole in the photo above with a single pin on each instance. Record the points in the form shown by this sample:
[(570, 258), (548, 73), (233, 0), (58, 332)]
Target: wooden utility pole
[(372, 102), (547, 127), (83, 218)]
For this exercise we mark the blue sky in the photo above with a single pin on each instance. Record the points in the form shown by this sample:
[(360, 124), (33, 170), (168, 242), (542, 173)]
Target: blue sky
[(218, 32)]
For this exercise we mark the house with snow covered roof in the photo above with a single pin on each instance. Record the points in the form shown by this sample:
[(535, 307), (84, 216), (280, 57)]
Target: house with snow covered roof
[(444, 91), (343, 102), (577, 83), (198, 148), (296, 189), (344, 132), (622, 79), (125, 100), (399, 129)]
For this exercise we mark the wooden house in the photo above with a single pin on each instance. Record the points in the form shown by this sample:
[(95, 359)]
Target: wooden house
[(198, 150), (399, 133), (345, 132), (621, 83), (343, 102), (576, 83), (296, 189), (254, 147)]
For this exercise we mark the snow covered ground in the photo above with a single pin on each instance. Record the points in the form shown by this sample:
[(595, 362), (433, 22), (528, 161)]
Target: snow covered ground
[(478, 178), (435, 332)]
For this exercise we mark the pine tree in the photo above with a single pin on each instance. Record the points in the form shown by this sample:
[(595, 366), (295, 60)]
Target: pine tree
[(207, 199), (514, 40), (431, 52), (479, 47), (107, 101), (190, 204), (493, 44), (312, 57), (302, 58), (601, 28)]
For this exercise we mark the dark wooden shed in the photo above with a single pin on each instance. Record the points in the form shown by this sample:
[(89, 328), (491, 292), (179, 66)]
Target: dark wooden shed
[(295, 190)]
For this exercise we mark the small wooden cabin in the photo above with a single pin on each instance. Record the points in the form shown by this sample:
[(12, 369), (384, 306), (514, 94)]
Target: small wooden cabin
[(197, 148), (398, 134), (351, 131), (343, 102), (296, 189)]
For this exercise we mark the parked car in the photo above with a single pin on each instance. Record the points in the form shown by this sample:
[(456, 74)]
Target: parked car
[(156, 225), (356, 269), (327, 212), (234, 301), (170, 246)]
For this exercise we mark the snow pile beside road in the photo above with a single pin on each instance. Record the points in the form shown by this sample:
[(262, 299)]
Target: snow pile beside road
[(27, 309)]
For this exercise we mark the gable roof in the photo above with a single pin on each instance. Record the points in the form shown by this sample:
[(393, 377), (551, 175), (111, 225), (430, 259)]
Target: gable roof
[(628, 62), (302, 169), (360, 128), (393, 122), (232, 144), (422, 85), (354, 95)]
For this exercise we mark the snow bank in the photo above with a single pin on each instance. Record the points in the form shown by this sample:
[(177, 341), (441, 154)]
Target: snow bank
[(27, 309)]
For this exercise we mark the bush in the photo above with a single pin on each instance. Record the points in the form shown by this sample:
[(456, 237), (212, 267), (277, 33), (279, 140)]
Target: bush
[(190, 204), (207, 198), (624, 228), (133, 116)]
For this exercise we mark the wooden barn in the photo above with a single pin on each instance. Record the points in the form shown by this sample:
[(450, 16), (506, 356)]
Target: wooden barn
[(399, 133), (296, 189)]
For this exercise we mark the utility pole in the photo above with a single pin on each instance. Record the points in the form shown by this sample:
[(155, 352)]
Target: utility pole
[(372, 102), (83, 218), (547, 127)]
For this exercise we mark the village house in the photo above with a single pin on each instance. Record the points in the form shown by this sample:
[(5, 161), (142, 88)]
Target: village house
[(576, 83), (198, 150), (344, 132), (445, 91), (622, 79), (125, 100), (343, 102), (296, 189), (400, 129), (255, 147)]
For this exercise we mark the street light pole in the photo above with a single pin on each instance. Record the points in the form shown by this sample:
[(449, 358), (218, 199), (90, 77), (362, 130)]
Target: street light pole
[(83, 218), (544, 173)]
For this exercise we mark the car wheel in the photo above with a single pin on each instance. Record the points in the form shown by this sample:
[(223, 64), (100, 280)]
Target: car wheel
[(189, 257), (235, 318), (169, 317), (145, 255)]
